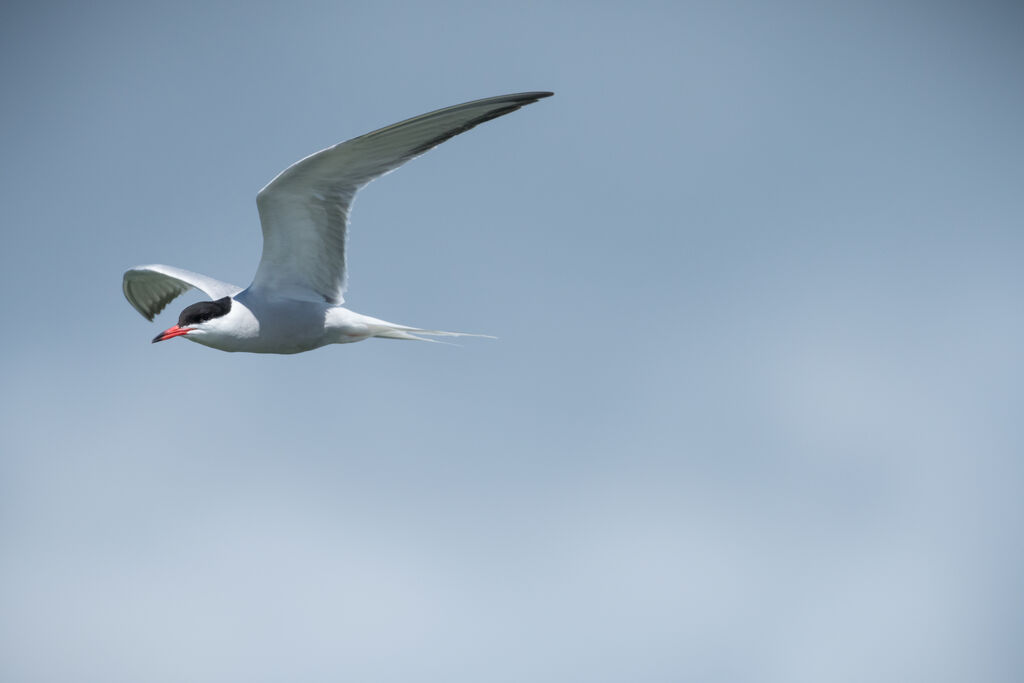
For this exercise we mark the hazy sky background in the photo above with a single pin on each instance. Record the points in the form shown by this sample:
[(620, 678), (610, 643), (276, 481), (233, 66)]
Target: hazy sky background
[(755, 409)]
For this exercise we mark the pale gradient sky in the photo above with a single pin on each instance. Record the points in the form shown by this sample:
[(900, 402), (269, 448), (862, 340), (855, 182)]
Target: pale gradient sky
[(755, 409)]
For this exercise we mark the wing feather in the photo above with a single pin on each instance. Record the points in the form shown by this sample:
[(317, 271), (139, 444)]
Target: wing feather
[(150, 288), (304, 210)]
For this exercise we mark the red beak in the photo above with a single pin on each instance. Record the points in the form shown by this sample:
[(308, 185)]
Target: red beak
[(172, 332)]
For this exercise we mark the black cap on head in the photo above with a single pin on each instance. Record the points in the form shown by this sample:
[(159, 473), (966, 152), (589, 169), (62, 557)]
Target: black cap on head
[(204, 310)]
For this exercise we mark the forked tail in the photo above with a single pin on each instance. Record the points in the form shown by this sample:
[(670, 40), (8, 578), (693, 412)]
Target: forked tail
[(401, 332)]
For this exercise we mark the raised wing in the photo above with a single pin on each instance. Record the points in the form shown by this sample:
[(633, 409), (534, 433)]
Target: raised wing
[(304, 210), (150, 288)]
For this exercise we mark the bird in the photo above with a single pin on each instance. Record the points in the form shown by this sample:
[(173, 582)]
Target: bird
[(294, 303)]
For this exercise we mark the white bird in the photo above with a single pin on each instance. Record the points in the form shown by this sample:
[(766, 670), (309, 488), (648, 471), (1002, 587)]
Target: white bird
[(294, 301)]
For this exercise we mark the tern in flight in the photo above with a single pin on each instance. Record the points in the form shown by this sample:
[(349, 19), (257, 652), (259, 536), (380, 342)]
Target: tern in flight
[(294, 301)]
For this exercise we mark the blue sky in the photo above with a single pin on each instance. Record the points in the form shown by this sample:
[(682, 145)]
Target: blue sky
[(753, 413)]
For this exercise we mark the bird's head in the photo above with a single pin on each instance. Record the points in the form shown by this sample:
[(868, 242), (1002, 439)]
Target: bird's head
[(198, 319)]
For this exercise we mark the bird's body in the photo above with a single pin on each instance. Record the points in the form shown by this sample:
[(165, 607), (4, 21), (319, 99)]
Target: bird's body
[(260, 325), (294, 301)]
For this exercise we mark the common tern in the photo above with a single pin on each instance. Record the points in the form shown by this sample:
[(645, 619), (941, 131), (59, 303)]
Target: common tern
[(294, 301)]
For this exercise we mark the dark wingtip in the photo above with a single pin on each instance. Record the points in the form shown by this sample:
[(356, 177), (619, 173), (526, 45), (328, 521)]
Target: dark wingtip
[(531, 97)]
